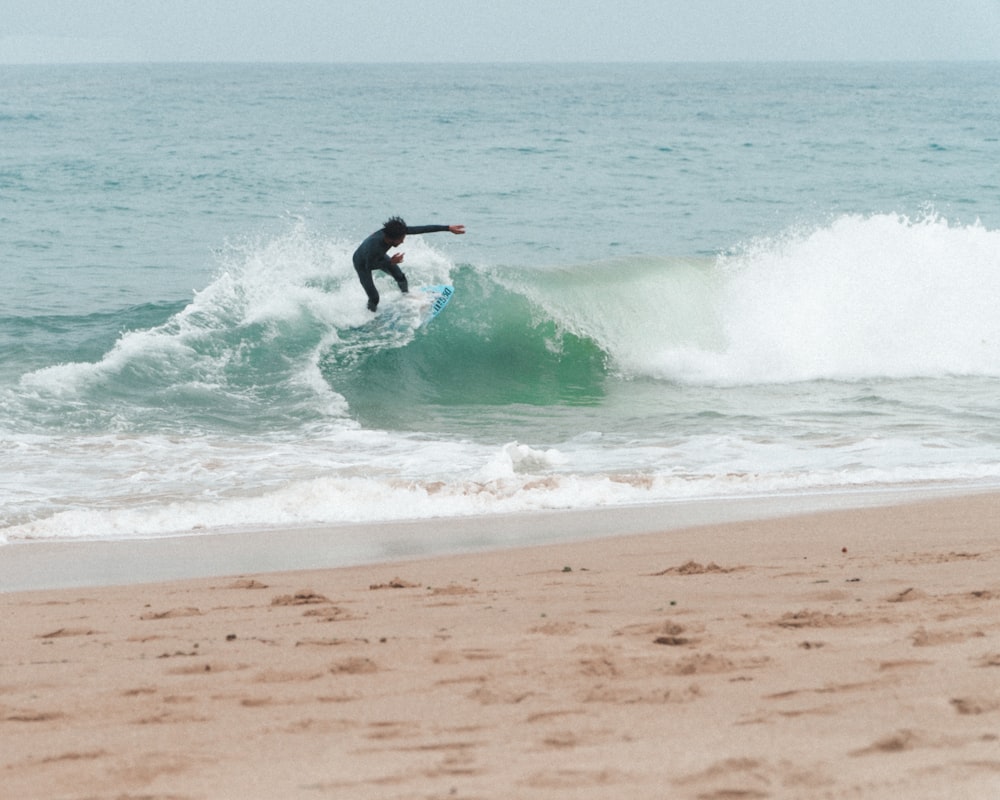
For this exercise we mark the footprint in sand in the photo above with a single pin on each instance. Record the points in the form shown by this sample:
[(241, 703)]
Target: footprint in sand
[(247, 583), (575, 778), (64, 632), (694, 568), (750, 778), (303, 597), (189, 611), (354, 666), (921, 637), (975, 705)]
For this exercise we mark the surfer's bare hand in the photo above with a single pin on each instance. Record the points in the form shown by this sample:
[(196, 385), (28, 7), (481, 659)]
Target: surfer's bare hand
[(456, 228), (396, 258)]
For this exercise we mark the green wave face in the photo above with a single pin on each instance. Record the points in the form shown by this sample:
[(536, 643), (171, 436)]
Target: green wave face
[(489, 347)]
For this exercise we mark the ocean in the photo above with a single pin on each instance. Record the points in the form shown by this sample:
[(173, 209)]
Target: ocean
[(679, 282)]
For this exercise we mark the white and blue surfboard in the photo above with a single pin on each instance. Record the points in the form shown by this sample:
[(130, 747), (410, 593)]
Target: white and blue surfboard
[(441, 295), (401, 313)]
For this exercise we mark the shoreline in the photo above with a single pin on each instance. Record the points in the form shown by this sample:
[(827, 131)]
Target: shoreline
[(38, 565), (842, 653)]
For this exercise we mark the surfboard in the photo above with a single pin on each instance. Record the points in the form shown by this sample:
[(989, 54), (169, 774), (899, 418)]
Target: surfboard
[(442, 294), (399, 316), (394, 325)]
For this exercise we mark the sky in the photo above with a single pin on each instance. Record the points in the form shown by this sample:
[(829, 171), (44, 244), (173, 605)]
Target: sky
[(74, 31)]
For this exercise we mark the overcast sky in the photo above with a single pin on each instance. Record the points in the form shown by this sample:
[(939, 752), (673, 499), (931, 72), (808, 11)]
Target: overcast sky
[(69, 31)]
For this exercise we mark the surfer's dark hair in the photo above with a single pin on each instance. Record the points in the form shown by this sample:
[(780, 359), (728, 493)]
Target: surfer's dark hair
[(394, 228)]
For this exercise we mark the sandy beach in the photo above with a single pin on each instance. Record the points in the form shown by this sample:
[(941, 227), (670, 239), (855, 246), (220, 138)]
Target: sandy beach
[(846, 653)]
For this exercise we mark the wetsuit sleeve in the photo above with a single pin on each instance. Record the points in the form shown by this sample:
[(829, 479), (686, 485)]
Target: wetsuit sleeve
[(425, 229)]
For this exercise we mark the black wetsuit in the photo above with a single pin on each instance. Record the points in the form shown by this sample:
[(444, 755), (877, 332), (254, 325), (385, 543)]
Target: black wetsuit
[(372, 254)]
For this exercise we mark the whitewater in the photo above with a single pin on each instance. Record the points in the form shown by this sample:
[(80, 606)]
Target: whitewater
[(631, 342)]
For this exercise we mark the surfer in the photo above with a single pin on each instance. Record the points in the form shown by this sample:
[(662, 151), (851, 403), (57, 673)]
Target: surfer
[(373, 254)]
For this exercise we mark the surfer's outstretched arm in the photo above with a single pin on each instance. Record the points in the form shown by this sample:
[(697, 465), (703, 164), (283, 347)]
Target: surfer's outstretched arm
[(434, 229)]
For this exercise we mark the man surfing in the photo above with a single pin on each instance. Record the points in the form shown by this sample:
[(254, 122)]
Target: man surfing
[(373, 254)]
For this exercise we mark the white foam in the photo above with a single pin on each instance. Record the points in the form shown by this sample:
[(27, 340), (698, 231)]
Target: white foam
[(152, 486), (877, 296)]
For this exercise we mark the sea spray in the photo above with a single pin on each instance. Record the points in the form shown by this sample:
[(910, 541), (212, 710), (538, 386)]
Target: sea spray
[(866, 297), (871, 297)]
